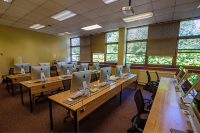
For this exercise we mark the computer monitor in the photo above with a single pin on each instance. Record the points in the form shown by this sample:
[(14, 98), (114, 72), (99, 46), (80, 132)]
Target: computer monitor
[(119, 69), (77, 80), (59, 65), (95, 66), (21, 66), (128, 66), (183, 76), (44, 64), (103, 74), (180, 71), (83, 66), (37, 70), (74, 64), (66, 67)]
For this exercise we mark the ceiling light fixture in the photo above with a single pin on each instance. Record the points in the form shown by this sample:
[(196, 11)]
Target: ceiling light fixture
[(138, 17), (64, 33), (108, 1), (63, 15), (9, 1), (92, 27), (198, 6), (37, 26)]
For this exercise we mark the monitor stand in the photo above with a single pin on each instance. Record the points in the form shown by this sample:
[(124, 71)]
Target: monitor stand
[(43, 79)]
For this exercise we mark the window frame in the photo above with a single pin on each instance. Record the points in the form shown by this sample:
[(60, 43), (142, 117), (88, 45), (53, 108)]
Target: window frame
[(74, 47)]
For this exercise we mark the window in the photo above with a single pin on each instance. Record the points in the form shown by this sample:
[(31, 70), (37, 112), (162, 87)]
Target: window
[(136, 45), (75, 49), (160, 60), (188, 50), (98, 57), (112, 39)]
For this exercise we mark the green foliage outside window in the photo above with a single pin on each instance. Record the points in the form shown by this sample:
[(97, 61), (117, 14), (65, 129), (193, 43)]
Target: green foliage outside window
[(193, 78), (160, 60), (75, 57), (75, 50), (189, 28), (111, 57), (112, 37), (188, 59), (98, 57), (113, 48), (135, 59), (137, 33), (75, 42)]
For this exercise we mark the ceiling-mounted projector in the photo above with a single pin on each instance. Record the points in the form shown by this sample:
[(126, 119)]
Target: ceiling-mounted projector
[(128, 10)]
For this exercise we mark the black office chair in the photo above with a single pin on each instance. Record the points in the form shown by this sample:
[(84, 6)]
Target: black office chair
[(66, 85), (137, 121), (93, 77), (29, 69), (154, 90), (54, 74), (147, 86), (53, 68), (158, 80), (11, 72)]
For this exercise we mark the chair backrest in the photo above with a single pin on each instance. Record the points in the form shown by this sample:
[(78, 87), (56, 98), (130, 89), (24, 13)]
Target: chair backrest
[(157, 76), (54, 74), (93, 77), (154, 90), (29, 69), (148, 75), (11, 71), (53, 68), (139, 101), (66, 84)]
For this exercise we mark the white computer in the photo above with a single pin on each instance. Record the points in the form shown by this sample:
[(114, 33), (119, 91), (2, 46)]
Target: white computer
[(44, 64), (40, 72), (66, 69), (83, 66), (21, 68), (59, 64)]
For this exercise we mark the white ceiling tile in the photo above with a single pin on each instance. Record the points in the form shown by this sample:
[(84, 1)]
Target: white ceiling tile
[(18, 9), (102, 11), (79, 25), (139, 2), (19, 25), (36, 15), (4, 16), (143, 8), (14, 14), (88, 23), (167, 17), (179, 2), (38, 2), (147, 21), (164, 11), (110, 17), (188, 6), (2, 10), (66, 3), (6, 21), (196, 12), (25, 4), (4, 5), (78, 8), (98, 20), (181, 15), (90, 15), (117, 6), (53, 6), (92, 4), (48, 21), (116, 21), (75, 20), (105, 24), (23, 21), (44, 11), (31, 18), (163, 4)]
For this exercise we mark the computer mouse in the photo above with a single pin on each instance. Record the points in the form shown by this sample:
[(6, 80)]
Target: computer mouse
[(69, 99)]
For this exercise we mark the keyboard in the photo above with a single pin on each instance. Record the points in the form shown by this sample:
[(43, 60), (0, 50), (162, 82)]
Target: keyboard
[(94, 89), (76, 95), (186, 100), (103, 84), (114, 78)]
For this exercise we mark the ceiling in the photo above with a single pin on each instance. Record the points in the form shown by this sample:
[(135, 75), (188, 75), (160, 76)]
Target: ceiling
[(24, 13)]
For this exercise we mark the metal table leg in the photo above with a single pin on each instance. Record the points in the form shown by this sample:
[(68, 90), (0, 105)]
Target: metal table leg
[(76, 123), (7, 84), (50, 112), (21, 94), (30, 99), (12, 90)]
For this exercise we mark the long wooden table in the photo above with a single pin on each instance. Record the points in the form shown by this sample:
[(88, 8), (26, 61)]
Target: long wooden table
[(165, 112), (16, 79), (91, 102)]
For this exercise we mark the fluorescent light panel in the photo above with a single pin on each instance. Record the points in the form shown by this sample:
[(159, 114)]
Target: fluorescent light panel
[(37, 26), (92, 27), (108, 1), (198, 6), (9, 1), (64, 33), (64, 15), (138, 17)]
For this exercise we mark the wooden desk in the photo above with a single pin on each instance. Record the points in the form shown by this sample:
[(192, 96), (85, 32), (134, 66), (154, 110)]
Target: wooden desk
[(16, 79), (35, 88), (91, 102), (165, 112)]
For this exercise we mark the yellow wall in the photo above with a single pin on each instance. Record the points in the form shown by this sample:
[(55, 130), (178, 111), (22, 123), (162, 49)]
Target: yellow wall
[(34, 47)]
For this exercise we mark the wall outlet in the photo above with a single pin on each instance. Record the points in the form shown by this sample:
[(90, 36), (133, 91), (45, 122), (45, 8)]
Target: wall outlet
[(54, 55), (2, 54)]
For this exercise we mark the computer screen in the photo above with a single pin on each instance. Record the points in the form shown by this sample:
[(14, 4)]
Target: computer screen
[(78, 78), (95, 66), (18, 67), (37, 70), (74, 64), (119, 69), (193, 78), (83, 66), (127, 68), (103, 74), (59, 65), (66, 67), (44, 64)]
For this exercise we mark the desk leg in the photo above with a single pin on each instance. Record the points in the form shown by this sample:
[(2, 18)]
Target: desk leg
[(21, 93), (120, 99), (30, 99), (50, 112), (12, 90), (76, 123), (7, 84), (34, 103)]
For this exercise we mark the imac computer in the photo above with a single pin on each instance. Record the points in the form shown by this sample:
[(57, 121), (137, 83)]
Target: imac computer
[(105, 74), (128, 68), (66, 69), (119, 69), (83, 66), (59, 64), (178, 73), (179, 81), (80, 81), (96, 66), (44, 64), (74, 64), (40, 72), (21, 68)]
